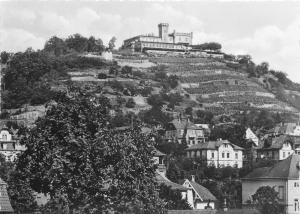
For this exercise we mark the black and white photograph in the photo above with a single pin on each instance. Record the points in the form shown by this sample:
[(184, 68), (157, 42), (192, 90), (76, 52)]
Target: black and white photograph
[(149, 107)]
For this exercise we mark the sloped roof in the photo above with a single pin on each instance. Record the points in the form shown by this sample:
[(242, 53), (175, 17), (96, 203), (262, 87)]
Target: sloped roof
[(203, 192), (212, 145), (277, 142), (4, 201), (158, 153), (285, 169), (161, 179)]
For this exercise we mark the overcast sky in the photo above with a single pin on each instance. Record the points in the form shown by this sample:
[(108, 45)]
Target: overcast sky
[(268, 31)]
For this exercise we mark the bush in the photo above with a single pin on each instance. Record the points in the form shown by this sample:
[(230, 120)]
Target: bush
[(102, 76)]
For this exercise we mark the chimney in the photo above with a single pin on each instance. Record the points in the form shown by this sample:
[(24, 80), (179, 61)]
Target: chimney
[(193, 178)]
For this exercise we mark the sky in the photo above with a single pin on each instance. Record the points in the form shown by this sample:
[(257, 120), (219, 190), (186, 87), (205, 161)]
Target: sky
[(268, 31)]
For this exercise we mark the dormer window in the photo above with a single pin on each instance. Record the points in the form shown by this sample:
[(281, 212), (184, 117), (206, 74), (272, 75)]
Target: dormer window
[(4, 137)]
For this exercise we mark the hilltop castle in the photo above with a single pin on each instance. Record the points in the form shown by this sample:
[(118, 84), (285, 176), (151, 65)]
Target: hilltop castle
[(166, 41)]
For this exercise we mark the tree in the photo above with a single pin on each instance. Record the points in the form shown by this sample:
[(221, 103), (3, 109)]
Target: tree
[(267, 201), (173, 198), (74, 153), (77, 43), (95, 45), (56, 45), (111, 44), (4, 57)]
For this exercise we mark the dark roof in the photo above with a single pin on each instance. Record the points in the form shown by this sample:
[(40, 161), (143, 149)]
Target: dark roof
[(212, 145), (203, 192), (277, 142), (161, 179), (285, 169)]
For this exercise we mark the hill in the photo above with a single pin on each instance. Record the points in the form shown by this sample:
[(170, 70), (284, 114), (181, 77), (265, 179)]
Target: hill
[(179, 83)]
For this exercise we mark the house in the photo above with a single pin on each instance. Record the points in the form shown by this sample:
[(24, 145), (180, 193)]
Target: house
[(292, 129), (203, 198), (283, 176), (251, 136), (159, 160), (9, 145), (218, 153), (276, 148), (180, 130)]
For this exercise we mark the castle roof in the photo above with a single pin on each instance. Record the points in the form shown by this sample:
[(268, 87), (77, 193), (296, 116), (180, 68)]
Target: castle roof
[(285, 169)]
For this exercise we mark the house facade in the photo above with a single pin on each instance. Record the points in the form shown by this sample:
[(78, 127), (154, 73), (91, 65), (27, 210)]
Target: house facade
[(179, 130), (220, 153), (283, 176), (202, 197), (278, 148), (9, 145), (251, 136)]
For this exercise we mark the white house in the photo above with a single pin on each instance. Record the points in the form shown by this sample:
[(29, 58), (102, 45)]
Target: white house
[(220, 153), (280, 148), (251, 136), (9, 147), (203, 198), (283, 176)]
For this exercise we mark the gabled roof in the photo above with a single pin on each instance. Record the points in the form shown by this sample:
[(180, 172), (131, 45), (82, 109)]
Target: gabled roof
[(158, 153), (212, 145), (285, 169), (161, 179), (277, 142), (203, 192)]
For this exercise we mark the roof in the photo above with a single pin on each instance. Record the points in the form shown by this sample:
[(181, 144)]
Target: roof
[(277, 142), (161, 179), (285, 169), (4, 200), (212, 145), (158, 153), (203, 192)]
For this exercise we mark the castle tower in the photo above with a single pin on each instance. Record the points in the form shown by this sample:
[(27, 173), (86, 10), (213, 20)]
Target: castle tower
[(5, 206), (163, 31)]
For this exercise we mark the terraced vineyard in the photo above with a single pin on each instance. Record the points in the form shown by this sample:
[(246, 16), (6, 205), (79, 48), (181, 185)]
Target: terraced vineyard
[(219, 88)]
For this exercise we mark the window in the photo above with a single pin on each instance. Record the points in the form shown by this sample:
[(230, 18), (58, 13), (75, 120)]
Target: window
[(4, 136), (296, 184), (223, 155), (161, 160), (296, 204), (281, 192), (236, 155), (228, 155), (212, 155), (283, 154)]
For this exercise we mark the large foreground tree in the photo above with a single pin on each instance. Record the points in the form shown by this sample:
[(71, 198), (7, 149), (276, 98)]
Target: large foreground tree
[(75, 156)]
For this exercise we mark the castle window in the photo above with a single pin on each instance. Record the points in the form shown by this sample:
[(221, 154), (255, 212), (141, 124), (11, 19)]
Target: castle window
[(223, 155), (296, 204), (236, 155), (212, 155), (228, 155), (283, 154), (4, 137)]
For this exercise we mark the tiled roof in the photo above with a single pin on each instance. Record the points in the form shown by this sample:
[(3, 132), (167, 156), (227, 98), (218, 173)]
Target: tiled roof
[(161, 179), (212, 145), (285, 169), (203, 192), (277, 142)]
